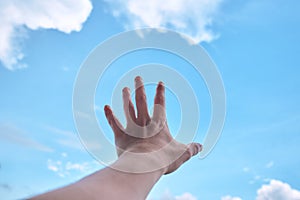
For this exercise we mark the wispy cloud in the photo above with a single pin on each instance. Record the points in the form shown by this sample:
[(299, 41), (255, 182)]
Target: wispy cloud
[(5, 186), (18, 15), (192, 17), (69, 139), (12, 134), (65, 138)]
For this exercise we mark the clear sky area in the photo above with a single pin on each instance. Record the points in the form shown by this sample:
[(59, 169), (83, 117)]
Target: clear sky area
[(254, 43)]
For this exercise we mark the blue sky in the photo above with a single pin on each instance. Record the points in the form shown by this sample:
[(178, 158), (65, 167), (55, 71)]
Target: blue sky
[(255, 45)]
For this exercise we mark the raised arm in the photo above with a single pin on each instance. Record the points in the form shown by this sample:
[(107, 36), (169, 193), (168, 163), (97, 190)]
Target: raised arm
[(146, 151)]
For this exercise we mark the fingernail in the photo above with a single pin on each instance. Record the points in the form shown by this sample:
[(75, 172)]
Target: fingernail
[(126, 89), (161, 83), (106, 109), (200, 148), (137, 78)]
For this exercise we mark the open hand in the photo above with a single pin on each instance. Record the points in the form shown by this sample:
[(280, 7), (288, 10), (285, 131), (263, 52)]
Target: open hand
[(148, 135)]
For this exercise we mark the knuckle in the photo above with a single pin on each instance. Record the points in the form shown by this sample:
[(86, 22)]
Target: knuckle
[(160, 98), (188, 153), (141, 97)]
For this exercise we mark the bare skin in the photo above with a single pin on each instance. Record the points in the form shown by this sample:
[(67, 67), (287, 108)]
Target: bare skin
[(132, 177)]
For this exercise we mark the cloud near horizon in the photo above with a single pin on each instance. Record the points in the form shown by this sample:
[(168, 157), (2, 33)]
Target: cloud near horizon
[(185, 196), (230, 198), (17, 16), (191, 17), (275, 190)]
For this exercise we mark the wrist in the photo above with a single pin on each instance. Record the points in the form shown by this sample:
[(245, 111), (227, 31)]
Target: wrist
[(133, 186), (149, 157), (140, 163)]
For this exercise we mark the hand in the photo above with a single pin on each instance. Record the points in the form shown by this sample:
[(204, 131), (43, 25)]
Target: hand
[(148, 135)]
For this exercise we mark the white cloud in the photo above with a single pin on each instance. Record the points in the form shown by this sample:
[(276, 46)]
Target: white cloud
[(68, 168), (230, 198), (277, 190), (168, 196), (186, 196), (53, 166), (18, 15), (77, 166), (192, 17), (274, 190)]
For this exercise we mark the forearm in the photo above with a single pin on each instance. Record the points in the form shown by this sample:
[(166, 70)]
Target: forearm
[(112, 184), (106, 184)]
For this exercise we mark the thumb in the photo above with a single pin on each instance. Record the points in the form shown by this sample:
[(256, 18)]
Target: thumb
[(191, 150)]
